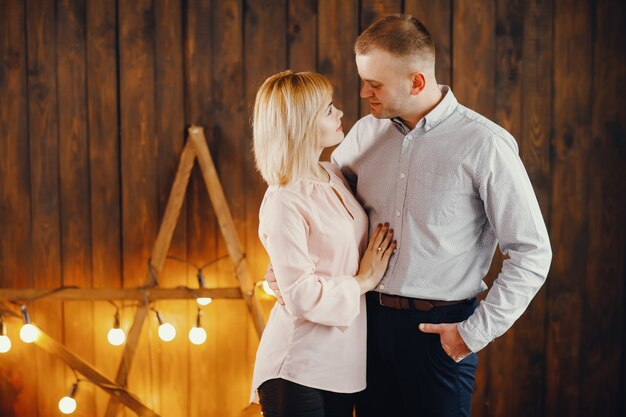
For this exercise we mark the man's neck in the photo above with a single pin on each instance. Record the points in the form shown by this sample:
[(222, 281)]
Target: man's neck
[(425, 105)]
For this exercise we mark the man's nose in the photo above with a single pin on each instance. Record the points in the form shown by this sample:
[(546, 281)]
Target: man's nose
[(365, 91)]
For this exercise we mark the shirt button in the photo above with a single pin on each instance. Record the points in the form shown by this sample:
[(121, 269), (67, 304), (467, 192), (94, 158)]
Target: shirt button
[(402, 175), (398, 214), (381, 286)]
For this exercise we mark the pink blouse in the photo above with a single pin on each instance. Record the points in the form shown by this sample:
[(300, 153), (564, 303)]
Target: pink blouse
[(315, 233)]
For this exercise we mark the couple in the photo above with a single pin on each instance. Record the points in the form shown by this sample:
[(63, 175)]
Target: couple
[(440, 185)]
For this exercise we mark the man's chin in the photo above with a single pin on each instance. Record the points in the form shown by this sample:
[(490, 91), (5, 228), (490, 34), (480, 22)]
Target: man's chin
[(380, 115)]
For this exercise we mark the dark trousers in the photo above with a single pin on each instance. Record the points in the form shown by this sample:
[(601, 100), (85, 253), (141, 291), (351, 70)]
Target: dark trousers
[(408, 372), (282, 398)]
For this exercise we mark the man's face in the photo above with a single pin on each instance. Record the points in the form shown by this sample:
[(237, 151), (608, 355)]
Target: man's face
[(386, 83)]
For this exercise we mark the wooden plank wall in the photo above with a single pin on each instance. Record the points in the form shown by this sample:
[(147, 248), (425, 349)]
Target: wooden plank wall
[(95, 96)]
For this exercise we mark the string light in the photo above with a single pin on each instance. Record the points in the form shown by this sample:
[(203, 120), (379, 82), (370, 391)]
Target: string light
[(28, 332), (204, 301), (116, 335), (197, 335), (167, 332), (267, 289), (67, 404), (5, 342)]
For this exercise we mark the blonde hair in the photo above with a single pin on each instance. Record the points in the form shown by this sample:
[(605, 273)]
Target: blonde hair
[(400, 35), (285, 129)]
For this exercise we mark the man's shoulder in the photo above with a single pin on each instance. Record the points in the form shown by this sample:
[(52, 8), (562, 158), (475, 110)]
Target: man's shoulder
[(481, 124), (482, 130)]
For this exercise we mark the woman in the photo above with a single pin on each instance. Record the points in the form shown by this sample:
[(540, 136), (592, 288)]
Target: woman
[(311, 358)]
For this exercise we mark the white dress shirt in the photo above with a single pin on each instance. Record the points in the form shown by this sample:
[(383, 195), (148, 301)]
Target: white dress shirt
[(451, 188)]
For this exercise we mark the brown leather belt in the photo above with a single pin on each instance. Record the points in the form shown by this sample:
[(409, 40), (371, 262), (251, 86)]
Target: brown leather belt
[(405, 303)]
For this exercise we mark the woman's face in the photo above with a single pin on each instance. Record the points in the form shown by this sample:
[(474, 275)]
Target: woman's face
[(329, 124)]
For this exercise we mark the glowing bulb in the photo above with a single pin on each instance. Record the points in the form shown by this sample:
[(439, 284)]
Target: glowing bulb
[(67, 405), (197, 335), (204, 301), (116, 336), (267, 289), (5, 344), (167, 332), (28, 333)]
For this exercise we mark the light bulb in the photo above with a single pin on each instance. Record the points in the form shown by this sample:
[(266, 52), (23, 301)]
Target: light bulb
[(204, 301), (167, 332), (5, 344), (267, 289), (197, 335), (67, 405), (116, 336), (28, 333)]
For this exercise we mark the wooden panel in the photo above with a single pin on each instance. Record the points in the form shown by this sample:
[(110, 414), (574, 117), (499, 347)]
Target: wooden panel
[(139, 173), (201, 223), (473, 72), (503, 398), (74, 186), (102, 105), (173, 380), (230, 134), (601, 338), (338, 29), (18, 388), (266, 52), (437, 16), (569, 217), (302, 35), (372, 10), (519, 62), (45, 210), (536, 125)]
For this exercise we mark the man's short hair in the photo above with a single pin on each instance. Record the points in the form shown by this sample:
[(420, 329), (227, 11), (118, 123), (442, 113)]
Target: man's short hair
[(398, 34)]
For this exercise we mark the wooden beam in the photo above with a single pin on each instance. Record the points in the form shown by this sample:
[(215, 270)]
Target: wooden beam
[(227, 226), (159, 253), (103, 294), (93, 375)]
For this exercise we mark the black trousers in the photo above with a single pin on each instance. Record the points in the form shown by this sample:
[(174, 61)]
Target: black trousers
[(282, 398), (408, 372)]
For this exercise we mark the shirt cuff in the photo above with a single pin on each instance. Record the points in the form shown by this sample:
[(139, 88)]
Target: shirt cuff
[(472, 336)]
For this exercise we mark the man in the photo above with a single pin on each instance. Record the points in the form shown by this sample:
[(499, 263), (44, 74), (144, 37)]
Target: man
[(452, 186)]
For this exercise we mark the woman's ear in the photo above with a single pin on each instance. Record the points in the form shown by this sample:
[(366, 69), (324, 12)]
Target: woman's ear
[(418, 82)]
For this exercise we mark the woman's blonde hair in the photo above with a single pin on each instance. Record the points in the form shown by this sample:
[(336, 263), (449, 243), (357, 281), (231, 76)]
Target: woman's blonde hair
[(285, 131)]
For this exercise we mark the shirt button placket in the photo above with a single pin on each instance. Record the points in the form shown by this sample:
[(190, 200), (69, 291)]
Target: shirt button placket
[(400, 197)]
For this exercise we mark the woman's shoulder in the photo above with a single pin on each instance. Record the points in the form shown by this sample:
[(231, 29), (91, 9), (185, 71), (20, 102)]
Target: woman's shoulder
[(284, 198)]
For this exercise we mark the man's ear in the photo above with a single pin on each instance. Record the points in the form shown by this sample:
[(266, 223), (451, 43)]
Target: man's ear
[(418, 82)]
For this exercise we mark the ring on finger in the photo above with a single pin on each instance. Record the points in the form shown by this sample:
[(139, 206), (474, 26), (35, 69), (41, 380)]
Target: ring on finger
[(379, 249)]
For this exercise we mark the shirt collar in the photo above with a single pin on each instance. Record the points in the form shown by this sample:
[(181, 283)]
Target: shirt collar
[(446, 106)]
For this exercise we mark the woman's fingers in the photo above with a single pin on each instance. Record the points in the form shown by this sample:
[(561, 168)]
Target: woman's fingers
[(387, 254), (378, 238), (371, 246), (386, 242)]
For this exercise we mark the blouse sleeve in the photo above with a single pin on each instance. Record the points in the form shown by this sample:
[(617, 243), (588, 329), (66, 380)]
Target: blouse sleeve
[(326, 300)]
